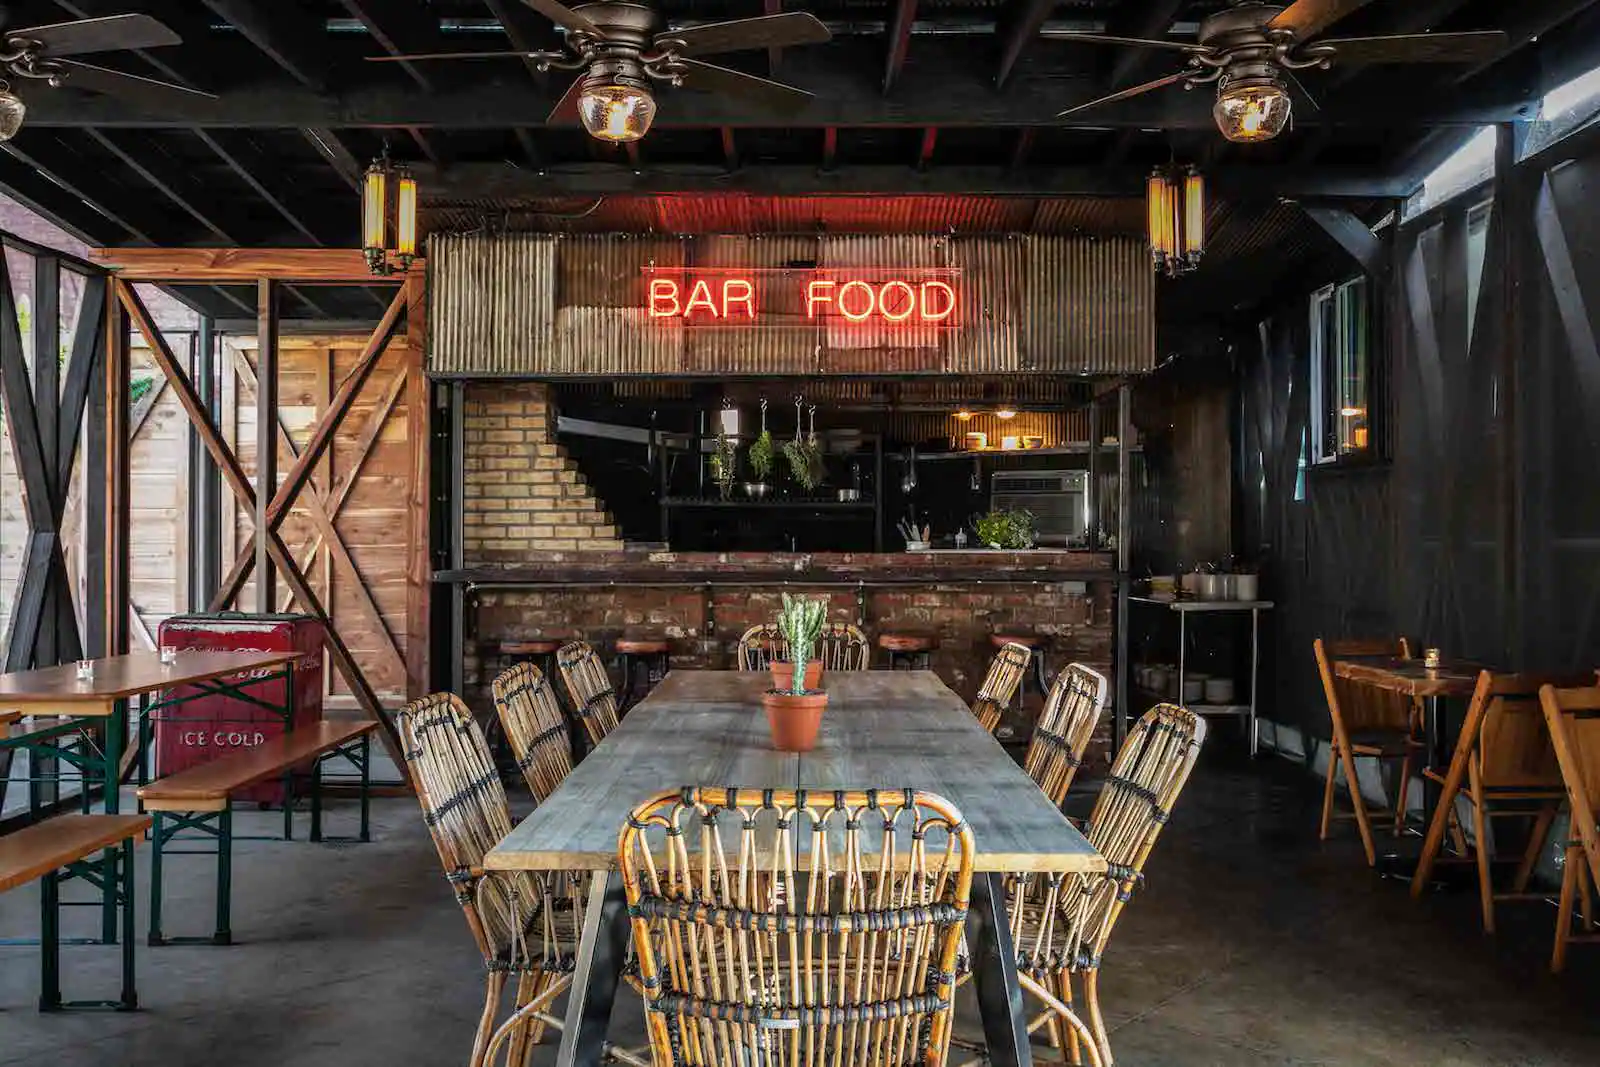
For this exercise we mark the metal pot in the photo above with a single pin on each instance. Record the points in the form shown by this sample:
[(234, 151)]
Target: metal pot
[(849, 496), (1219, 690), (1213, 587), (757, 490), (1246, 587), (1193, 689)]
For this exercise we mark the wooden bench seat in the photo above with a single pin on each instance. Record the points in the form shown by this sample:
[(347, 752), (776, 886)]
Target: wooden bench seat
[(199, 800), (66, 847), (206, 787)]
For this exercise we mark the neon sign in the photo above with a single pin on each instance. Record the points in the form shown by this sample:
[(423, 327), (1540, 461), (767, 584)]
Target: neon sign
[(920, 298)]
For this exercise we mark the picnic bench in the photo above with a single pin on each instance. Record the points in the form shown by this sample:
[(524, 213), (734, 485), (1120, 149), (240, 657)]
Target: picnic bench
[(199, 800), (59, 849)]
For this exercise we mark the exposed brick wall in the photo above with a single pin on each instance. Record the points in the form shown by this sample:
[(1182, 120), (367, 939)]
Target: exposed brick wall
[(523, 493)]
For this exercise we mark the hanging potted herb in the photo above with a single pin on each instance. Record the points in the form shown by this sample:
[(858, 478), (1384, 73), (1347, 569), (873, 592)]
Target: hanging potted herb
[(761, 456), (804, 453), (794, 714)]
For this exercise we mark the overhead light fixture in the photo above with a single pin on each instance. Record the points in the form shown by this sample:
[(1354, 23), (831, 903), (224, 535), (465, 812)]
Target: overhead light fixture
[(12, 111), (1005, 413), (965, 415), (1252, 107), (388, 217), (1176, 204), (616, 104)]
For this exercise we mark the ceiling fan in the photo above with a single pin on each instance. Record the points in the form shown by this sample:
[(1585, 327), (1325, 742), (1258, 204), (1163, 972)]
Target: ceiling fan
[(622, 48), (1250, 50), (36, 53)]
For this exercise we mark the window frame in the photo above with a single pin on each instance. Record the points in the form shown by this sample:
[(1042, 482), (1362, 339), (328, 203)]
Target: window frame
[(1318, 425)]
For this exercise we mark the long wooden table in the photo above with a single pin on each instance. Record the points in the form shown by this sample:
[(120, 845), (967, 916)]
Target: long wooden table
[(887, 729)]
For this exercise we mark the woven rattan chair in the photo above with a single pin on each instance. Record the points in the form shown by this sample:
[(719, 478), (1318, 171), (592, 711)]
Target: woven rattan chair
[(1000, 684), (841, 647), (1062, 923), (745, 959), (589, 689), (533, 724), (1573, 718), (1365, 723), (522, 930), (1071, 712)]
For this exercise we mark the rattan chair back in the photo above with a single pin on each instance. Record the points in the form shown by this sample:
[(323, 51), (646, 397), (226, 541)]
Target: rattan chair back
[(841, 647), (531, 718), (465, 808), (1000, 683), (1071, 712), (588, 688), (774, 927)]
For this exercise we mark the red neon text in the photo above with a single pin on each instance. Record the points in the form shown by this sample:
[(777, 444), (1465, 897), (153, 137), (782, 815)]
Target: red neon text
[(893, 301), (732, 296)]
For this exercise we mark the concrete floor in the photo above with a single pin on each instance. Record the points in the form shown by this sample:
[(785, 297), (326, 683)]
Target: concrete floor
[(1251, 944)]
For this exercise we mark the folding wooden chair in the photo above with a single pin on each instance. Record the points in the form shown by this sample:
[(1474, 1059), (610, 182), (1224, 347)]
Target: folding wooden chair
[(1366, 723), (1504, 766), (1573, 718)]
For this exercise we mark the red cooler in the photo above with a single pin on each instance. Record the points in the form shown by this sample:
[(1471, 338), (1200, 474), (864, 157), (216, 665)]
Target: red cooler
[(213, 725)]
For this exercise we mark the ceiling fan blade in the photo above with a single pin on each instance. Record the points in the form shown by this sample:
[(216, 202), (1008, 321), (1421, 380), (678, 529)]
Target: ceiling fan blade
[(1307, 18), (108, 34), (1137, 90), (1479, 47), (704, 77), (765, 31), (95, 79), (565, 17), (461, 55), (565, 113), (1130, 42)]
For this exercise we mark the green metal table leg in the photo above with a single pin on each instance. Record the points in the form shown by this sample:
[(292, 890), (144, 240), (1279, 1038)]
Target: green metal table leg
[(288, 804), (130, 993), (366, 786), (157, 839), (50, 942), (224, 934), (108, 897), (115, 723), (316, 799)]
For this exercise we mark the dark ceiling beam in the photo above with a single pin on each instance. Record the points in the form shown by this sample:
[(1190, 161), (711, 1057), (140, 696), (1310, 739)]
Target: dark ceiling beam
[(429, 144), (527, 32), (465, 181), (1418, 16), (927, 96), (1351, 234), (288, 35), (730, 148), (930, 139), (774, 55), (905, 13), (23, 182), (1530, 20), (1149, 20), (830, 148), (401, 29), (1021, 22), (169, 178), (529, 145), (340, 158), (261, 176)]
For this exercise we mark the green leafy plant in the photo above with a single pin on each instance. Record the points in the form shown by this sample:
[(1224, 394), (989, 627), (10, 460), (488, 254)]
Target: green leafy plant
[(800, 622), (761, 456), (724, 464), (1006, 529), (805, 462)]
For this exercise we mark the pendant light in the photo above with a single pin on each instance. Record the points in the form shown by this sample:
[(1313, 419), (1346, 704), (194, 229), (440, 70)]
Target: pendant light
[(1176, 204), (388, 217)]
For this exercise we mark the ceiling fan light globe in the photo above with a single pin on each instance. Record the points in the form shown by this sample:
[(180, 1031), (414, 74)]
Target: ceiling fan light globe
[(1252, 112), (616, 113), (12, 112)]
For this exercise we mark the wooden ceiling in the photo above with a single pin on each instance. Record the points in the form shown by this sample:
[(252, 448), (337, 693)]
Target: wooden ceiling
[(951, 98)]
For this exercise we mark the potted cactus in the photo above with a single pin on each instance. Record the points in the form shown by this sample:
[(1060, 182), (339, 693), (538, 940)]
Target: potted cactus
[(794, 713)]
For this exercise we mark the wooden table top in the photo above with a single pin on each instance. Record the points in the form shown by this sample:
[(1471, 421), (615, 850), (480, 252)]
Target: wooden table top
[(119, 677), (1409, 676), (885, 729)]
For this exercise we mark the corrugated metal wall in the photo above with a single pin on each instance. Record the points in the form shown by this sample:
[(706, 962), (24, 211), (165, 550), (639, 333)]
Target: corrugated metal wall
[(573, 306)]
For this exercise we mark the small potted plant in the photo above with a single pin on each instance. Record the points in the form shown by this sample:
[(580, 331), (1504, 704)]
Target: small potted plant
[(794, 714)]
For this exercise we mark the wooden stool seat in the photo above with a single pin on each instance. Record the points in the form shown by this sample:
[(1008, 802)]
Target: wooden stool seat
[(643, 646), (902, 641), (533, 646)]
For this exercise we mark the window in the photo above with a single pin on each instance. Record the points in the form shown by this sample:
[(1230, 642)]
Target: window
[(1341, 385), (1477, 245)]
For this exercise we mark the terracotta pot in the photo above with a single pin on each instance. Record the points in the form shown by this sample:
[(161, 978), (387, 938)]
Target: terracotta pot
[(783, 673), (794, 720)]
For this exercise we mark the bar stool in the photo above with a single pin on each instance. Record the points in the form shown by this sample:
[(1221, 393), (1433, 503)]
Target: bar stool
[(912, 648), (542, 654), (653, 652), (1038, 645)]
